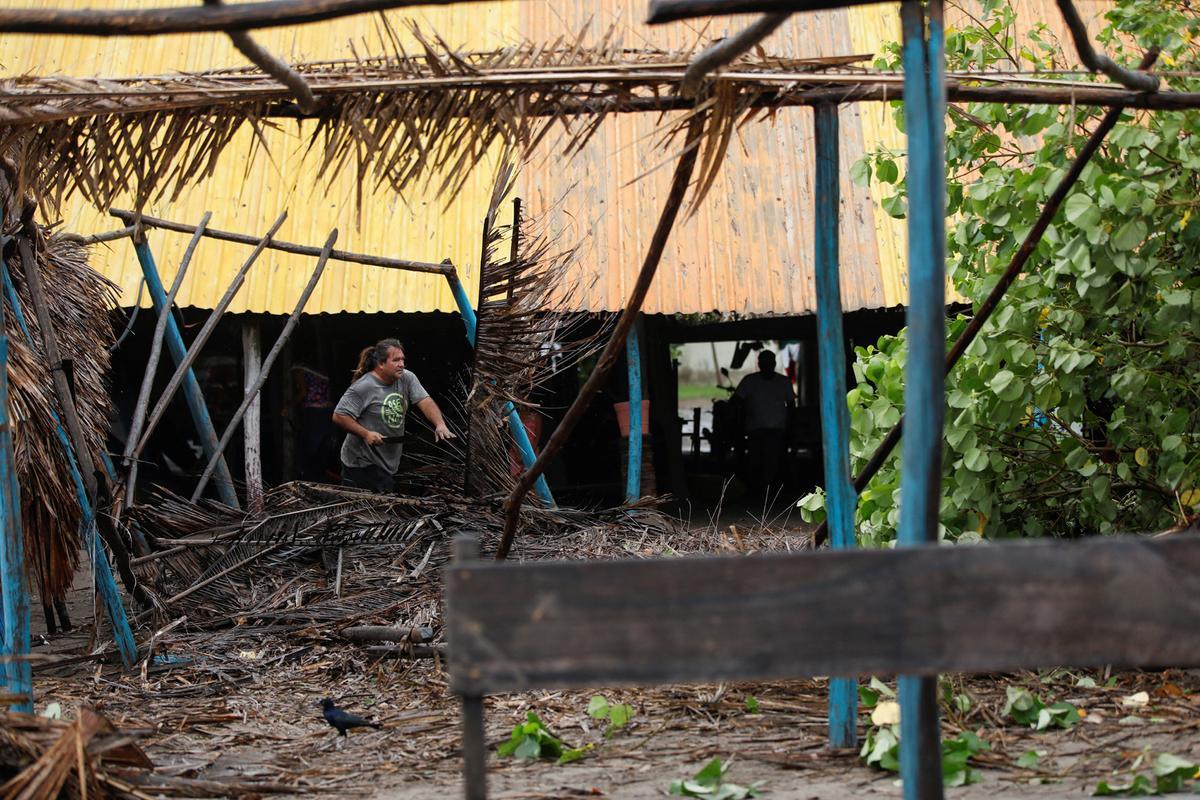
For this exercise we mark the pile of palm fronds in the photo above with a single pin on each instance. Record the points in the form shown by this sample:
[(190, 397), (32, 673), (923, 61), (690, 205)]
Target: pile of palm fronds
[(213, 561), (79, 301), (391, 119)]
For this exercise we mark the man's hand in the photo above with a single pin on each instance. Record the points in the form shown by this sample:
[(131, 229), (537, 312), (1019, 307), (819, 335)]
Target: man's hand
[(371, 438), (441, 433)]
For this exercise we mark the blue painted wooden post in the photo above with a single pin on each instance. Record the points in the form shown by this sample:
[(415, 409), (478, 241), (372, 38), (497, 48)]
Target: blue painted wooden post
[(191, 387), (924, 392), (106, 584), (840, 498), (633, 482), (515, 424), (16, 585)]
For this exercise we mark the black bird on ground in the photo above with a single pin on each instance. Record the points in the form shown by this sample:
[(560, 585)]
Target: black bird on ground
[(342, 720)]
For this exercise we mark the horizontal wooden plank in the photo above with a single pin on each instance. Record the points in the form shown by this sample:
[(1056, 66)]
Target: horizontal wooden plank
[(1127, 601)]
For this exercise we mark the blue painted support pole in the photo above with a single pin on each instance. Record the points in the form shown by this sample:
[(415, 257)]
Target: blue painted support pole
[(924, 385), (106, 584), (840, 498), (515, 424), (191, 387), (633, 482), (12, 557)]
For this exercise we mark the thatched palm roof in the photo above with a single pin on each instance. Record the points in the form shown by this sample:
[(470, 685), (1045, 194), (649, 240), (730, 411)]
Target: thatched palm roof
[(391, 119)]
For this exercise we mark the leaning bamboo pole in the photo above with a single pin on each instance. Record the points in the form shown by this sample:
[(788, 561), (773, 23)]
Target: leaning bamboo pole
[(202, 337), (156, 347), (265, 370)]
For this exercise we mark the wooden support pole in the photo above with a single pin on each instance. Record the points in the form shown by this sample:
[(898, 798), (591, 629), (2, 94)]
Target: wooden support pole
[(156, 342), (252, 389), (191, 387), (12, 558), (924, 384), (444, 268), (206, 331), (633, 472), (251, 423), (474, 741), (608, 357), (106, 584), (835, 417)]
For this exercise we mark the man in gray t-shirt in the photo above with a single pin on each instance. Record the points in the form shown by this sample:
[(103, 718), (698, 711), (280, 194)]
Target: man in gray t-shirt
[(373, 412)]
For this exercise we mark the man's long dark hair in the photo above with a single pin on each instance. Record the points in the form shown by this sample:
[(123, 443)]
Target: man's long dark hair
[(374, 355)]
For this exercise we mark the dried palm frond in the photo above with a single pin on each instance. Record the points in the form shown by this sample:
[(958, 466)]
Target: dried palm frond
[(394, 119), (521, 338), (80, 301)]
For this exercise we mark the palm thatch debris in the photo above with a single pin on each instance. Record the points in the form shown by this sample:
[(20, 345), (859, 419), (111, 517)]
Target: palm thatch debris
[(521, 339), (43, 758), (80, 301), (217, 564), (392, 119)]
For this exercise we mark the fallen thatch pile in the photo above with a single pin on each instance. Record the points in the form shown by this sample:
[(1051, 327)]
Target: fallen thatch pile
[(80, 301)]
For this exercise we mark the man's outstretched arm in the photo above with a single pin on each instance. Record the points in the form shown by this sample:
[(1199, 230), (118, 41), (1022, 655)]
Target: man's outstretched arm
[(434, 414)]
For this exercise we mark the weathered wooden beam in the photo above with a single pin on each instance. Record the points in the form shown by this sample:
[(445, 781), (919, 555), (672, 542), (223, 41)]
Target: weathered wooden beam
[(444, 268), (252, 368), (1127, 601), (204, 19), (415, 634)]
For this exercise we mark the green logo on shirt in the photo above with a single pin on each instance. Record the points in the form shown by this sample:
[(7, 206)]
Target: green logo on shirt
[(395, 406)]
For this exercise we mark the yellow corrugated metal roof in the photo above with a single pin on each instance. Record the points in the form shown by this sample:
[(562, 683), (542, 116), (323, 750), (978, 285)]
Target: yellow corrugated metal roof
[(748, 248)]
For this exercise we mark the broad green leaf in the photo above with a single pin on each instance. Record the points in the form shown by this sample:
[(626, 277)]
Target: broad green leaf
[(1081, 211), (598, 707), (1130, 235), (1028, 760)]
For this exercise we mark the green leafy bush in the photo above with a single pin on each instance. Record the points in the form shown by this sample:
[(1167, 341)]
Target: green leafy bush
[(1076, 411)]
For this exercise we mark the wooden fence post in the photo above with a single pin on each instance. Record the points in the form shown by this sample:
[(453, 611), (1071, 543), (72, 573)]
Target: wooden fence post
[(474, 743)]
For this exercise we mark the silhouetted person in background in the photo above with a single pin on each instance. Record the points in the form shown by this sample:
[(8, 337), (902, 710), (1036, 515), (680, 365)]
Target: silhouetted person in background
[(766, 397)]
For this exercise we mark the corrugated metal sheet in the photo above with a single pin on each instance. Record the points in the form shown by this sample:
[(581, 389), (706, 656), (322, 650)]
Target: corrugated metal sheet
[(748, 248)]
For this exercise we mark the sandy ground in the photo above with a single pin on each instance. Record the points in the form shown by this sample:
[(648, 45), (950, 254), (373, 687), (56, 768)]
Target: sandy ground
[(244, 708)]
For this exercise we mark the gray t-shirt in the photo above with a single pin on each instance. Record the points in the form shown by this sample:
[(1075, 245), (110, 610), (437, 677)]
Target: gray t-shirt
[(381, 408)]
